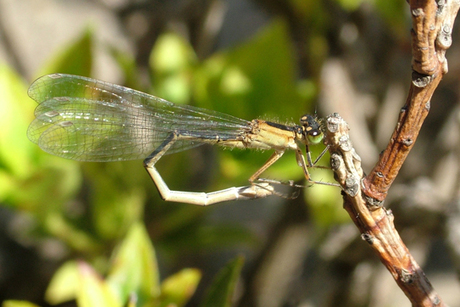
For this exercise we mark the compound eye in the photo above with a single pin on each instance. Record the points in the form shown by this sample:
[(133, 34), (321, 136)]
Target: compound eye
[(312, 129), (314, 136)]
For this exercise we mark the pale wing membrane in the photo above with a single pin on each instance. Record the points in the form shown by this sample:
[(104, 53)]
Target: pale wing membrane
[(88, 120), (82, 129)]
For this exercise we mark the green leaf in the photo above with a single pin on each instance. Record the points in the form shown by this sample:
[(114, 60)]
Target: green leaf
[(13, 303), (134, 268), (177, 289), (15, 114), (127, 63), (63, 286), (221, 291), (323, 200), (172, 61), (76, 59), (395, 14), (350, 5), (259, 77), (23, 165), (118, 197), (93, 291)]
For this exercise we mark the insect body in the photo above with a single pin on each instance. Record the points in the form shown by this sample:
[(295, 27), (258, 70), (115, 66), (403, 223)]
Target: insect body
[(90, 120)]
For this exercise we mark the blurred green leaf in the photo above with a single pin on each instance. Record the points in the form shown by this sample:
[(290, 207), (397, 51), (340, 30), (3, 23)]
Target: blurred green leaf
[(15, 148), (128, 66), (93, 291), (254, 79), (171, 54), (195, 238), (221, 291), (177, 289), (395, 14), (132, 301), (25, 167), (13, 303), (323, 200), (350, 5), (311, 12), (133, 278), (64, 284), (117, 197), (134, 268), (77, 238), (76, 58), (172, 60)]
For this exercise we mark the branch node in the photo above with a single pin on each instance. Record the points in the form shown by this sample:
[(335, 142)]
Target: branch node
[(428, 105), (351, 185), (345, 143), (417, 12), (407, 276), (441, 4), (368, 238), (336, 162), (373, 203), (444, 38), (407, 142), (445, 67), (421, 80)]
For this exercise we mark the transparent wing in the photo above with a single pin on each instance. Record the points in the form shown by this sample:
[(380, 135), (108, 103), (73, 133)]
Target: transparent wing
[(90, 120)]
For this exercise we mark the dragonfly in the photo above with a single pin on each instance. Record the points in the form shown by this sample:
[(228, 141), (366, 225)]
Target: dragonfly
[(85, 119)]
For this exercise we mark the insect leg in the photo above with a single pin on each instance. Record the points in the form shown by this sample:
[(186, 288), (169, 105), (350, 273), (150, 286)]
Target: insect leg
[(273, 158), (252, 191), (301, 162)]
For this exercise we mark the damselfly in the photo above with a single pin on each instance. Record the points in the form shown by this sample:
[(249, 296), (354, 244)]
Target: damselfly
[(90, 120)]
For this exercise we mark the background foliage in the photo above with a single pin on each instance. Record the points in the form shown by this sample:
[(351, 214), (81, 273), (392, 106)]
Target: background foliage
[(82, 233)]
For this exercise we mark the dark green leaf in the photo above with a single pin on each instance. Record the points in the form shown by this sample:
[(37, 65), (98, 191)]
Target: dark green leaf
[(221, 291)]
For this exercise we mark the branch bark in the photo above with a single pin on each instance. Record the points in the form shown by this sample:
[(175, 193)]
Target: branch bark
[(431, 37), (363, 197), (374, 221)]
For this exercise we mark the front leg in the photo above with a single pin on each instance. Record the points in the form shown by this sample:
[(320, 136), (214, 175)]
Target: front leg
[(301, 162)]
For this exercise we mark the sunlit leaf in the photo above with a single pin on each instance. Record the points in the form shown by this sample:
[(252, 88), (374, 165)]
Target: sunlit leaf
[(13, 303), (172, 60), (134, 268), (15, 113), (64, 285), (93, 291), (177, 289)]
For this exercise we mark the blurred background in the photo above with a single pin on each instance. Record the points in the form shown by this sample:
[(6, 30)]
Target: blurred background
[(274, 60)]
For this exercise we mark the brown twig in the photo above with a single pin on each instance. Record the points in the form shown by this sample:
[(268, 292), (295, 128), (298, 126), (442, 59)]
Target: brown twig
[(363, 197), (375, 222), (431, 37)]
